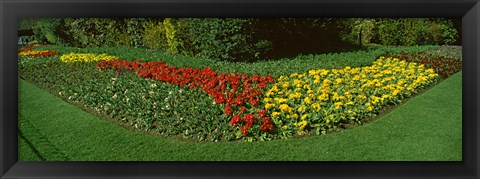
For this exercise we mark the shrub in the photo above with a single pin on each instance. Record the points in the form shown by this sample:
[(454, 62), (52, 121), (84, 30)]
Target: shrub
[(404, 31), (174, 35), (134, 31), (418, 31), (154, 35), (219, 39), (361, 31), (96, 32), (46, 29)]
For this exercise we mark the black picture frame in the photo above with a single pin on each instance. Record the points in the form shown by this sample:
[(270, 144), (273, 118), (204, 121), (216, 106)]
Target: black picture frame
[(11, 11)]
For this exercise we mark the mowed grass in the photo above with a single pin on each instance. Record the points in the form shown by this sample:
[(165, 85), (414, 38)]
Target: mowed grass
[(426, 128)]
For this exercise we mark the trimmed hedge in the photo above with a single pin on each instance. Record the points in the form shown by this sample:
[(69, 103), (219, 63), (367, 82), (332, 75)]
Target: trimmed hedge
[(244, 39)]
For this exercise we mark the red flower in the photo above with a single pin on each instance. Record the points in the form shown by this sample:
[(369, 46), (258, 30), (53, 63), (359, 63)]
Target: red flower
[(230, 89), (228, 110), (244, 130), (235, 120)]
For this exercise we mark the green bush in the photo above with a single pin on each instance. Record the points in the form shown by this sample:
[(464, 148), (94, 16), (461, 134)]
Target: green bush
[(46, 29), (96, 32), (134, 31), (361, 31), (175, 35), (404, 31), (154, 35), (418, 31), (219, 38)]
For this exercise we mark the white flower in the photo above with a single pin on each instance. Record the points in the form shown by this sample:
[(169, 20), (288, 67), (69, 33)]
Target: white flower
[(153, 85), (151, 92), (114, 96)]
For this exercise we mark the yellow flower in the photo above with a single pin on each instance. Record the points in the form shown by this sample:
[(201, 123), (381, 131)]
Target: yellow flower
[(275, 114), (338, 81), (306, 87), (337, 105), (323, 97), (301, 109), (86, 57), (335, 96), (316, 106), (308, 100), (280, 100), (302, 125), (430, 71), (356, 78), (269, 105), (267, 100), (295, 116), (304, 116), (285, 108)]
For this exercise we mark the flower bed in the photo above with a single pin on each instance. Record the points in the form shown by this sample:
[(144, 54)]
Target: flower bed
[(85, 57), (31, 47), (445, 61), (38, 53), (323, 99), (239, 94), (154, 95)]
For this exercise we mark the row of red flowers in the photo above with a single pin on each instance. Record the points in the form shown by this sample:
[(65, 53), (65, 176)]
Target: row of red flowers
[(31, 47), (238, 92)]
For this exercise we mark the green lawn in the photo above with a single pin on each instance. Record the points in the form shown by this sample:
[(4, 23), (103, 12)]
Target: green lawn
[(426, 128)]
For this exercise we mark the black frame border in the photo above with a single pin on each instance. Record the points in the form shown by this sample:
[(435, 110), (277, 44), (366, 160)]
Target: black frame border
[(11, 11)]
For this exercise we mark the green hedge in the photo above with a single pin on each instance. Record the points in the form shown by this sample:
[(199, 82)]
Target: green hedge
[(401, 31), (244, 39)]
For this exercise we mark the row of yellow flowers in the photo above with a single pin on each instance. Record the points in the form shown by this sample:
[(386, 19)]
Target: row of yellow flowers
[(321, 99), (86, 57)]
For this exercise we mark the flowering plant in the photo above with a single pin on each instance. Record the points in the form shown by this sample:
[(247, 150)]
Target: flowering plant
[(38, 53), (324, 99), (238, 93), (443, 65), (31, 47), (85, 57)]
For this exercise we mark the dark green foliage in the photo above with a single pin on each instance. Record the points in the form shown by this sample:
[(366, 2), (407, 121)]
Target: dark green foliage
[(46, 30), (416, 32), (223, 39), (134, 30), (99, 32), (246, 39), (154, 35), (401, 31), (289, 37)]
